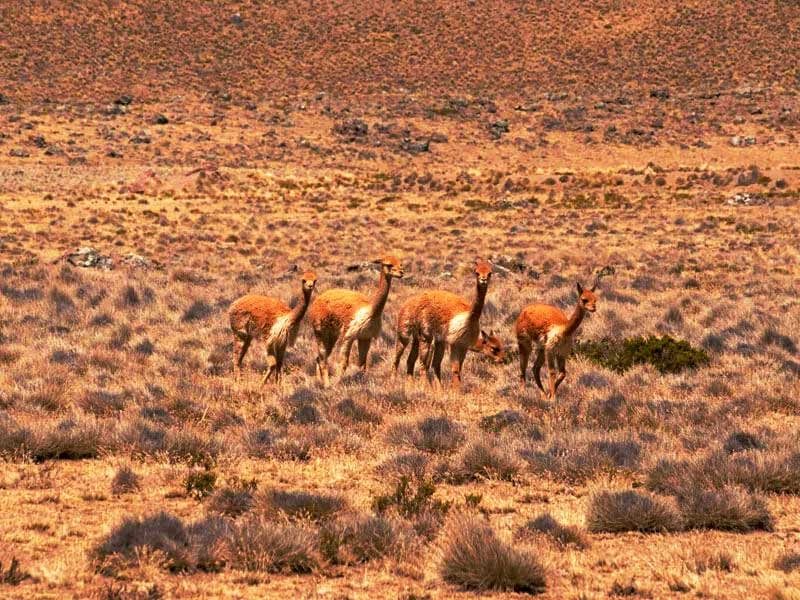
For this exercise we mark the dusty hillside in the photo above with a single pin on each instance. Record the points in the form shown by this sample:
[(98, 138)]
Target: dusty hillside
[(88, 51)]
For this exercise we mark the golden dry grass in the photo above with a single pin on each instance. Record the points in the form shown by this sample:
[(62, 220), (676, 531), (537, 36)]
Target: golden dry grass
[(116, 387)]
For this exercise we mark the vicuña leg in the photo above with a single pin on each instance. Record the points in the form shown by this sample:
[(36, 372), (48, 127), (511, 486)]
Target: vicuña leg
[(524, 356), (241, 344), (537, 370), (399, 348), (413, 353), (457, 354), (438, 355), (551, 372), (561, 363), (363, 350), (347, 346), (324, 349)]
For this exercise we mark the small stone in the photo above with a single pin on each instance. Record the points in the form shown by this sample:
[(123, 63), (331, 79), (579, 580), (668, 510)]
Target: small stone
[(160, 120), (124, 100), (90, 258), (18, 153), (661, 93), (141, 138)]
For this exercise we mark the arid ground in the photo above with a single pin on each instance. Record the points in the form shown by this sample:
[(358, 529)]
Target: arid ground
[(214, 150)]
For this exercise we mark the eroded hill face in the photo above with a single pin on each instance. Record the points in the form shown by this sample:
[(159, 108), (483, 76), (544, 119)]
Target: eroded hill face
[(93, 51)]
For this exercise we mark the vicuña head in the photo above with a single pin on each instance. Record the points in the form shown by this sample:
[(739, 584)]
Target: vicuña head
[(390, 266), (483, 271), (587, 298), (547, 333), (254, 316), (490, 345), (351, 316)]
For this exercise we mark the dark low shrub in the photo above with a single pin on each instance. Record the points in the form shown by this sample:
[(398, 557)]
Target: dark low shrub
[(665, 353)]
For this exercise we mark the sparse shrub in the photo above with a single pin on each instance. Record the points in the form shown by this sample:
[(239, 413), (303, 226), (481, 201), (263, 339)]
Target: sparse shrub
[(497, 422), (102, 403), (728, 509), (209, 543), (621, 590), (200, 484), (666, 354), (161, 532), (69, 440), (713, 561), (13, 575), (788, 562), (474, 558), (433, 434), (740, 441), (15, 442), (300, 505), (198, 311), (125, 481), (234, 499), (257, 544), (355, 412), (615, 512), (359, 539), (771, 337), (563, 535), (577, 458), (484, 460), (414, 501), (412, 465)]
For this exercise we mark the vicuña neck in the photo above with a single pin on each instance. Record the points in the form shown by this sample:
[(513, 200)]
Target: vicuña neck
[(381, 293), (576, 318), (477, 304), (300, 310)]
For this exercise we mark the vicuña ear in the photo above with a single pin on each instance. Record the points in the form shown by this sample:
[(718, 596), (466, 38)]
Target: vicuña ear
[(484, 336), (580, 288), (591, 289)]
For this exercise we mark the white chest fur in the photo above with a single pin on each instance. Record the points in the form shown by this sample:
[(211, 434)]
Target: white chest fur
[(363, 325), (458, 328), (280, 332)]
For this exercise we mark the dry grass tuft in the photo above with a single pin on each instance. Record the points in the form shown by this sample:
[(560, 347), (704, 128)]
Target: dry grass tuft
[(299, 505), (438, 435), (359, 539), (257, 544), (125, 481), (485, 460), (616, 512), (562, 535), (728, 509), (474, 558), (788, 562)]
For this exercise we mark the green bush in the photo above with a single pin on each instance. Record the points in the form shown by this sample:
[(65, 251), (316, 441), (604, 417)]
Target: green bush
[(666, 354)]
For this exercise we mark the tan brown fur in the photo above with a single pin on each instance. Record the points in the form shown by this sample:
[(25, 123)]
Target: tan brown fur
[(547, 331), (261, 317), (436, 319), (350, 316)]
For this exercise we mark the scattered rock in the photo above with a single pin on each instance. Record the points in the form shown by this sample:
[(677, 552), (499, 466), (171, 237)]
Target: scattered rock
[(354, 129), (141, 138), (89, 258), (111, 153), (746, 199), (53, 151), (415, 147), (38, 141), (140, 262), (510, 264), (528, 107), (498, 128), (556, 96), (3, 99), (18, 153), (741, 142), (123, 100), (661, 93), (160, 120), (363, 266), (236, 19)]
